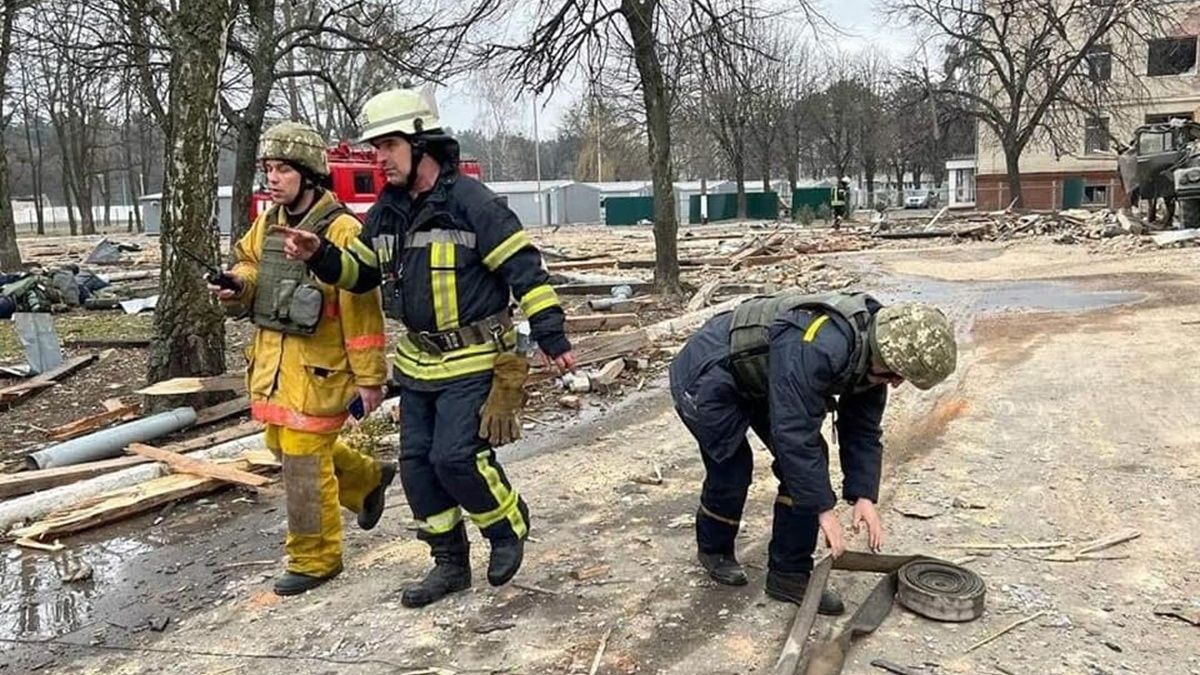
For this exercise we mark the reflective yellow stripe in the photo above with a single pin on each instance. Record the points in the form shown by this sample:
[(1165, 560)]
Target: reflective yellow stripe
[(418, 365), (506, 498), (785, 500), (364, 253), (720, 519), (444, 284), (441, 523), (349, 275), (537, 299), (811, 333), (506, 249)]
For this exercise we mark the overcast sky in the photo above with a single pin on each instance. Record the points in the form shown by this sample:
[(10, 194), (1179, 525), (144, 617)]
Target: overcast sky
[(865, 30)]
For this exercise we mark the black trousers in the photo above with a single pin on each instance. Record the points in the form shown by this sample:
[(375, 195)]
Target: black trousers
[(447, 469), (723, 498)]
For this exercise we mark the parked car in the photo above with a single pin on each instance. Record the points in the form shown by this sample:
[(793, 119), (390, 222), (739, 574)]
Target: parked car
[(920, 199)]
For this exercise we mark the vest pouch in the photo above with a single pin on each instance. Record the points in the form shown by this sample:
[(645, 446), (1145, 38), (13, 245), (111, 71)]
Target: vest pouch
[(393, 300), (305, 306), (282, 302)]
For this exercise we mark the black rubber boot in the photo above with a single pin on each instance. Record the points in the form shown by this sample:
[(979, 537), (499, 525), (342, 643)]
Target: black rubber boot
[(375, 501), (294, 583), (505, 560), (451, 571), (790, 587), (724, 568)]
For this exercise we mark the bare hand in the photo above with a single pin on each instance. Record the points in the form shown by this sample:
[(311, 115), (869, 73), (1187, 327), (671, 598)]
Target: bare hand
[(371, 398), (224, 294), (832, 529), (297, 244), (865, 514), (565, 362)]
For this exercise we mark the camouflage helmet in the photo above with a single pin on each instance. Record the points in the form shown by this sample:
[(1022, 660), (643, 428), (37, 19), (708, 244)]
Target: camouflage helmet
[(297, 143), (915, 341)]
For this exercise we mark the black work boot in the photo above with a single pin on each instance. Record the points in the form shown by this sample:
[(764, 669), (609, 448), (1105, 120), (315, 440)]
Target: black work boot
[(295, 583), (451, 571), (505, 560), (724, 568), (373, 503), (790, 587)]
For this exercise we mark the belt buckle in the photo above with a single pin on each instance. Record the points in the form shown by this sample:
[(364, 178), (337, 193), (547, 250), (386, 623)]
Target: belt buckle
[(426, 342)]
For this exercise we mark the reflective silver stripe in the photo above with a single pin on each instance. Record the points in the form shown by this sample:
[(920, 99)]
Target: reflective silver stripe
[(367, 129), (424, 239)]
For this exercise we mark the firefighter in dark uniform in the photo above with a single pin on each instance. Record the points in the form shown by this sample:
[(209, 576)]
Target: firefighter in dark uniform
[(451, 254), (777, 364), (839, 201)]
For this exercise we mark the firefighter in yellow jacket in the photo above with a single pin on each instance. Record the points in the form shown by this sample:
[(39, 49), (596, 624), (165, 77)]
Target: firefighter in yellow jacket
[(317, 353)]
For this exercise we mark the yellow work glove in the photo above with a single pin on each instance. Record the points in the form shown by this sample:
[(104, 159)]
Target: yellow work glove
[(500, 417)]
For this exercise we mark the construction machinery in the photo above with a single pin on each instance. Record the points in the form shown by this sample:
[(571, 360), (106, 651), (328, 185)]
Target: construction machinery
[(1163, 162)]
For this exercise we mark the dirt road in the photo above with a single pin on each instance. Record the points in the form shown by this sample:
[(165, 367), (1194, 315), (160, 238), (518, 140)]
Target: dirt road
[(1072, 417)]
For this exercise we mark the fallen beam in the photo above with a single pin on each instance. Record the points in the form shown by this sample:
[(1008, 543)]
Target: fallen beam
[(194, 385), (113, 343), (222, 411), (605, 288), (198, 467), (575, 265), (599, 322), (702, 297), (87, 424), (18, 392), (690, 321)]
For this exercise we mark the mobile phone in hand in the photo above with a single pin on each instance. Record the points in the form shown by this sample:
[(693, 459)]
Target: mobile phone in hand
[(356, 408)]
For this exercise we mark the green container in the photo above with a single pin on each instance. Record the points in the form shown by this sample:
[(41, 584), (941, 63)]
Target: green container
[(723, 206), (628, 210), (1072, 197), (814, 198)]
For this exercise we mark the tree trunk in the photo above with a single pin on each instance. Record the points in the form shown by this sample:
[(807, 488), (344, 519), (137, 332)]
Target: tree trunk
[(189, 327), (1012, 161), (10, 254), (250, 122), (35, 163), (640, 17), (739, 175)]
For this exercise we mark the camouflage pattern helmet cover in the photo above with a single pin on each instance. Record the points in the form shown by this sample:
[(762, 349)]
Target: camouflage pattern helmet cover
[(297, 143), (915, 341)]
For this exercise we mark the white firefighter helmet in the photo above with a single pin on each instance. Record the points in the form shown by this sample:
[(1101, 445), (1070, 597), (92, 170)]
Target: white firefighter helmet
[(408, 112)]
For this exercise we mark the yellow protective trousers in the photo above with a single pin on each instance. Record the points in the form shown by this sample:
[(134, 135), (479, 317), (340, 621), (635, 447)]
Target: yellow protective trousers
[(319, 474)]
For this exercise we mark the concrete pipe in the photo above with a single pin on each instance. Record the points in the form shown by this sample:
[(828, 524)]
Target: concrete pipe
[(112, 442)]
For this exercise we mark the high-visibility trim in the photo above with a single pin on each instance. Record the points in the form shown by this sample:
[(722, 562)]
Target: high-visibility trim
[(441, 523), (504, 496), (785, 500), (720, 519), (373, 341), (383, 248), (273, 413), (507, 248), (539, 298), (815, 327), (444, 283), (425, 238), (419, 365), (349, 275), (363, 252)]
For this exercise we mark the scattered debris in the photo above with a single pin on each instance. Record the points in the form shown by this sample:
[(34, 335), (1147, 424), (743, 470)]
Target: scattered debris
[(896, 668), (600, 651), (92, 422), (570, 402), (13, 394), (493, 627), (159, 623), (76, 570), (192, 385), (1175, 237), (1012, 626), (111, 442), (198, 467), (1190, 614), (589, 573), (919, 510), (962, 502), (533, 589), (1016, 546)]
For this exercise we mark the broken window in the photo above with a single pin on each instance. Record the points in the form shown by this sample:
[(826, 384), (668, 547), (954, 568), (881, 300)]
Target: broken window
[(1171, 56), (1163, 118), (1095, 137), (1099, 60), (1095, 194), (364, 183)]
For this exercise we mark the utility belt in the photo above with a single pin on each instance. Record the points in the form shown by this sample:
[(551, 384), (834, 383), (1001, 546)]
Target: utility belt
[(484, 331)]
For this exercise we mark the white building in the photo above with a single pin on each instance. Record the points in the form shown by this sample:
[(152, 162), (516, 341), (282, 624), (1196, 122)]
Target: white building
[(152, 211), (960, 176)]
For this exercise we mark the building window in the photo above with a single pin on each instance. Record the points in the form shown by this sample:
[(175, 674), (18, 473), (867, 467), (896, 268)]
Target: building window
[(1171, 56), (1095, 137), (364, 183), (1099, 60), (1095, 195), (1163, 118)]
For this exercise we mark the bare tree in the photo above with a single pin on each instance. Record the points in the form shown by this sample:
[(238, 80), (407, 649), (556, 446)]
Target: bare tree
[(189, 327), (10, 254), (643, 34), (1021, 67)]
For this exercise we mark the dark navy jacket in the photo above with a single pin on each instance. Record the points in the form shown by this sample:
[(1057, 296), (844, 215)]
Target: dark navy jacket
[(800, 392)]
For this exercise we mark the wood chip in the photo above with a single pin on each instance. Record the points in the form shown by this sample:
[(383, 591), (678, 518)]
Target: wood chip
[(1005, 630), (588, 573)]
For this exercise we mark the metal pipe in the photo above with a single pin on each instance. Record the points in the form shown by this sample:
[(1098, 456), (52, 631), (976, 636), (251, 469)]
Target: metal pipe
[(111, 442)]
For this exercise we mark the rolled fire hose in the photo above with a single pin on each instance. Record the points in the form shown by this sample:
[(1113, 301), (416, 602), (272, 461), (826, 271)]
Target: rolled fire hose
[(933, 588)]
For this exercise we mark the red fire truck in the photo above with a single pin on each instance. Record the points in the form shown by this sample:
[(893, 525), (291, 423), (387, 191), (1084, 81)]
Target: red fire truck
[(357, 178)]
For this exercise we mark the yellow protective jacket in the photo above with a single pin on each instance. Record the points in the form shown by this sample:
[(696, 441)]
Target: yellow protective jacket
[(306, 382)]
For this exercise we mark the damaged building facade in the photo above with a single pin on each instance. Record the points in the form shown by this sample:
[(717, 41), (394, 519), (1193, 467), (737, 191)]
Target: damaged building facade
[(1082, 171)]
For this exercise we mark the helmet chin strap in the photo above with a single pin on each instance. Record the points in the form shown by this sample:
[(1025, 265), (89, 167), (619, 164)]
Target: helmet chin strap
[(306, 184), (418, 153)]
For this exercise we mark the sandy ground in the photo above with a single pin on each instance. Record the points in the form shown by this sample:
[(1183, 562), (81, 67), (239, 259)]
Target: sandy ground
[(1068, 424)]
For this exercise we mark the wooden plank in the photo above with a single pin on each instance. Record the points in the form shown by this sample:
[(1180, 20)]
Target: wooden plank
[(193, 385), (650, 263), (21, 390), (198, 467), (105, 343), (702, 297), (222, 411), (774, 239), (573, 265), (91, 423), (757, 260), (598, 322), (25, 482), (604, 289), (593, 350)]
